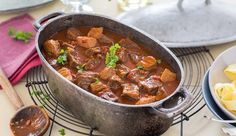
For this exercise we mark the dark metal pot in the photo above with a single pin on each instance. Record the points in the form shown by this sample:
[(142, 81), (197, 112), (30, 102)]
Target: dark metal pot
[(112, 119)]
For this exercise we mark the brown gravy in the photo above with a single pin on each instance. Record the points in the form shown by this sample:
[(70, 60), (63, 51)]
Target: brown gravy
[(168, 87)]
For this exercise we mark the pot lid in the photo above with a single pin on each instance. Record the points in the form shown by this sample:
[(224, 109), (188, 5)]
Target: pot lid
[(8, 6), (188, 23)]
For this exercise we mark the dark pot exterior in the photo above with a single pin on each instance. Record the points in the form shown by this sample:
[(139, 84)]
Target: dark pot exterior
[(113, 119)]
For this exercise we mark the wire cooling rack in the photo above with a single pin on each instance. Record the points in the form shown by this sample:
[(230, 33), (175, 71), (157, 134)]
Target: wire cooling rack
[(195, 61)]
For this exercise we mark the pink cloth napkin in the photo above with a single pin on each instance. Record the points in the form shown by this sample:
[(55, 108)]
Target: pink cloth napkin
[(32, 62), (17, 57)]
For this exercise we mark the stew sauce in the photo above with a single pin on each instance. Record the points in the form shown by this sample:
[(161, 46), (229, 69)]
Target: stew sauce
[(109, 65)]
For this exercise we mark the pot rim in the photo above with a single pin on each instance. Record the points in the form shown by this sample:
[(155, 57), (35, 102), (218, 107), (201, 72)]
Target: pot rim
[(153, 104)]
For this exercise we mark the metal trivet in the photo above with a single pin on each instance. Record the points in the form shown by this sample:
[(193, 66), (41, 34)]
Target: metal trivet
[(195, 62)]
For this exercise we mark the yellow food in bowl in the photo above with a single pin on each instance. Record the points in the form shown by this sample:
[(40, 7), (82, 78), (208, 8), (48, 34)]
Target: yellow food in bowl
[(226, 92), (230, 72)]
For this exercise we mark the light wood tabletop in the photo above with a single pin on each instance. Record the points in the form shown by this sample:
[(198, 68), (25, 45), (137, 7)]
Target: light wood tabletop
[(196, 126)]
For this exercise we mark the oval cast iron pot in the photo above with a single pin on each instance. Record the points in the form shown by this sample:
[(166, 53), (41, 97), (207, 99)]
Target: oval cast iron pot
[(112, 119)]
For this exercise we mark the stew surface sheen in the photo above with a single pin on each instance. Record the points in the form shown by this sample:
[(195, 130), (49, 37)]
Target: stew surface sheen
[(109, 65)]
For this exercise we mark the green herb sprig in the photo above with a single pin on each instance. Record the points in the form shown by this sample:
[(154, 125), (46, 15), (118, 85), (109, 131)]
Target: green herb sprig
[(139, 67), (62, 58), (37, 93), (19, 35), (158, 61), (62, 132), (97, 80), (111, 57), (80, 67)]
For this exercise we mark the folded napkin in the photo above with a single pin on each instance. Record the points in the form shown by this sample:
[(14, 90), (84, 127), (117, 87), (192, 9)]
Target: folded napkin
[(33, 62), (17, 57)]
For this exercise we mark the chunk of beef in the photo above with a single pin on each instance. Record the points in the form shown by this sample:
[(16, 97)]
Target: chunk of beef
[(108, 95), (52, 47), (122, 70), (92, 51), (98, 87), (168, 76), (115, 82), (107, 73), (65, 45), (73, 60), (122, 55), (137, 75), (129, 44), (86, 42), (161, 93), (146, 100), (130, 90), (93, 62), (147, 62), (66, 73), (104, 49), (95, 32), (96, 50), (85, 78), (72, 33), (102, 57), (135, 57), (106, 40), (151, 84)]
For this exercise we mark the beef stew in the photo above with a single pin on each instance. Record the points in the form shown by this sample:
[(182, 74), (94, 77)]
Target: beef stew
[(109, 65)]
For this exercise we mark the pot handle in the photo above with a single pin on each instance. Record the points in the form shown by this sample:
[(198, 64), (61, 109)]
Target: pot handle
[(180, 3), (185, 103), (38, 23)]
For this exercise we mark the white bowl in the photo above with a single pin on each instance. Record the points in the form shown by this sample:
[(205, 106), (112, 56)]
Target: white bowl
[(216, 75)]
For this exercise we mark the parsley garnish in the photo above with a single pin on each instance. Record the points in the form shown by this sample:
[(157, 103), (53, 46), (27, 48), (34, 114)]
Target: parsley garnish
[(158, 61), (139, 67), (62, 51), (40, 94), (62, 132), (97, 80), (80, 67), (36, 93), (111, 57), (62, 58), (19, 35)]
